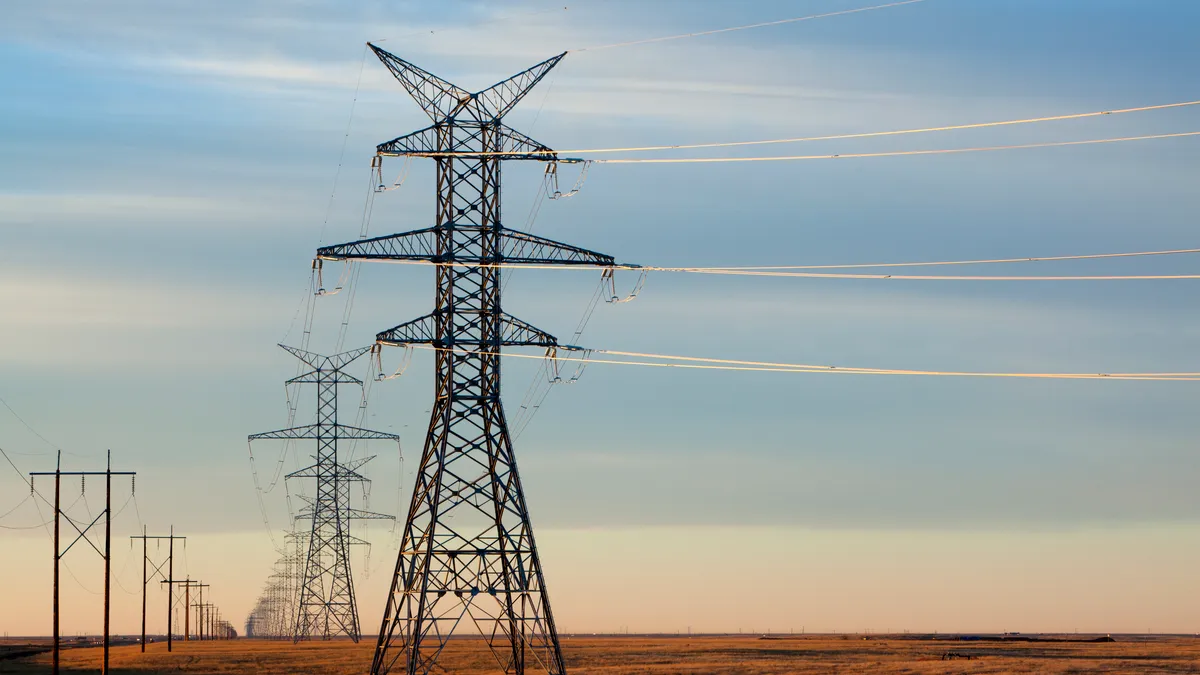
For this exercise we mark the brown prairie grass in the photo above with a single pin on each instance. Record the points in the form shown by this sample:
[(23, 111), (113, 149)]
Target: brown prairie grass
[(642, 655)]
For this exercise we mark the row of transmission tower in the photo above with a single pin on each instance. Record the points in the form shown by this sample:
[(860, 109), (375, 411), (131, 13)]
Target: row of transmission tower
[(314, 596), (275, 611), (468, 561)]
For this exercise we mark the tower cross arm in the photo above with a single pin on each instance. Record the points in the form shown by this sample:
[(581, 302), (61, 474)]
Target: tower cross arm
[(308, 431), (341, 472), (513, 333), (501, 97), (521, 248), (440, 99), (504, 142), (326, 363), (356, 433), (515, 248), (359, 514), (437, 97), (314, 377), (417, 245)]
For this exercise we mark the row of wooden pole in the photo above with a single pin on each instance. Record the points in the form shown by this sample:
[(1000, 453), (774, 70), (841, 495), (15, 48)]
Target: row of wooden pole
[(208, 621)]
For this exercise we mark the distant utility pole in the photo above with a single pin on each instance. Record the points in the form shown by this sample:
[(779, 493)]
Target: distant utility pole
[(200, 601), (187, 596), (206, 610), (157, 570), (108, 473)]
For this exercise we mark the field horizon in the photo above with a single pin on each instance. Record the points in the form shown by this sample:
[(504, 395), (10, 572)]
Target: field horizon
[(653, 654)]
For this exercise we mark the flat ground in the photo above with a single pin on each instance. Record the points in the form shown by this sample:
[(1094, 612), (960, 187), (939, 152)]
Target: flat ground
[(659, 655)]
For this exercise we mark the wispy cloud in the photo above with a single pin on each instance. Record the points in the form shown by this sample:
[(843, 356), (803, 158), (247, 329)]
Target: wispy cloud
[(82, 321), (115, 209)]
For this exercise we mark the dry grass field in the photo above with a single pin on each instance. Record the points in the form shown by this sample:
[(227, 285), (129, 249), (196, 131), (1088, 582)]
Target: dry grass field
[(630, 655)]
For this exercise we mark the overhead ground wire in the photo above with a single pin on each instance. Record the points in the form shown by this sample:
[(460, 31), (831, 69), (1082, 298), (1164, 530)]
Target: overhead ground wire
[(746, 27)]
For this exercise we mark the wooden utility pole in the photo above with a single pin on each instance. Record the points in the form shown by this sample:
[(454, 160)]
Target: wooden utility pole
[(187, 610), (199, 618), (170, 575), (157, 570), (106, 554), (208, 615), (57, 548)]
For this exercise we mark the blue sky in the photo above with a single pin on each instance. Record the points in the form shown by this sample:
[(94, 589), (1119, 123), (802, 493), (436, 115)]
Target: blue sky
[(165, 170)]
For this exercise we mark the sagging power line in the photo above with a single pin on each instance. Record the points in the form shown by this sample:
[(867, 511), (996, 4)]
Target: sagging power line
[(565, 353), (796, 271), (866, 134), (896, 153)]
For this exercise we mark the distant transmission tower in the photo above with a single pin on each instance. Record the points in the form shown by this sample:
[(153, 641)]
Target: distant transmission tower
[(468, 553), (326, 605)]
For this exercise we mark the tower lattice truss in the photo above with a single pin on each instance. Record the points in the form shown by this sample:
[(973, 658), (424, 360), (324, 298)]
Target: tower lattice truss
[(324, 603), (467, 558)]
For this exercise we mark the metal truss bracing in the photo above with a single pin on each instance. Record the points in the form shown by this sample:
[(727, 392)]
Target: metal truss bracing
[(483, 245), (325, 604), (429, 142), (426, 330), (467, 558), (443, 101)]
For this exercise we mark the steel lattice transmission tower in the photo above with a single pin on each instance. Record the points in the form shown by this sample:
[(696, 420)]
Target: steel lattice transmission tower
[(468, 553), (325, 603)]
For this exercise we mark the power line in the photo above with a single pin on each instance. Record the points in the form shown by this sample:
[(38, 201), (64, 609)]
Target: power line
[(786, 270), (869, 134), (14, 466), (345, 139), (26, 425), (897, 153), (746, 27), (922, 277), (1093, 256), (701, 363)]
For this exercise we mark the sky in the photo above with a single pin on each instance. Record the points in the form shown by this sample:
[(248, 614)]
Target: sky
[(168, 169)]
